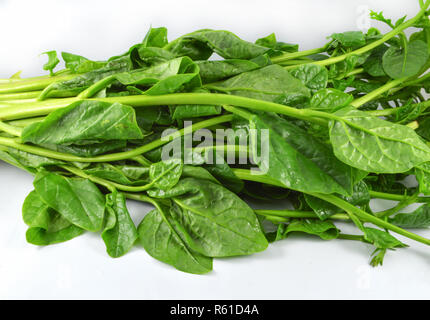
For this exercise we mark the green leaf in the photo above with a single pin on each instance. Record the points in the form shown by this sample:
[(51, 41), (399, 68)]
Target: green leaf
[(85, 122), (330, 100), (165, 174), (52, 61), (382, 239), (324, 209), (375, 145), (422, 173), (216, 70), (79, 64), (31, 160), (313, 76), (405, 62), (350, 39), (276, 46), (88, 150), (373, 64), (77, 200), (326, 230), (74, 86), (112, 173), (46, 226), (420, 218), (119, 233), (269, 83), (161, 241), (155, 37), (213, 220), (166, 77), (227, 44), (296, 159)]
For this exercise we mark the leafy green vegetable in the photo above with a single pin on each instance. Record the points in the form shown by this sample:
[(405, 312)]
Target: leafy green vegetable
[(78, 200), (85, 122), (312, 76), (215, 221), (321, 133), (52, 61), (160, 239), (372, 144), (405, 62), (119, 233), (420, 218), (46, 226)]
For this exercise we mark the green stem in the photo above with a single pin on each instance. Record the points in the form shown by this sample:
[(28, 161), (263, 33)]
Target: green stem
[(115, 156), (108, 184), (10, 112), (96, 87), (19, 96), (294, 55), (32, 84), (15, 131), (342, 204), (354, 237), (376, 43), (298, 214), (376, 93), (396, 197), (364, 216)]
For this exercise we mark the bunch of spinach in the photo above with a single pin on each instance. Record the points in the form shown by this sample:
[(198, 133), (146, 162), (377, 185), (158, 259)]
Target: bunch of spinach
[(347, 123)]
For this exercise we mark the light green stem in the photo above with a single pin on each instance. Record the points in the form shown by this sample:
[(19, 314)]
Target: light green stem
[(114, 156)]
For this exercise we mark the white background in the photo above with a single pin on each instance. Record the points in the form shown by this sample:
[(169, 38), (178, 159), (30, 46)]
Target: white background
[(297, 268)]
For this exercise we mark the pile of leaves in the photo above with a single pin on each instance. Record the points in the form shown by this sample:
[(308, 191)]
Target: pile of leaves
[(346, 123)]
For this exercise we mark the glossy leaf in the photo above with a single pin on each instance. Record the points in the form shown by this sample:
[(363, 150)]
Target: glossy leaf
[(119, 233), (214, 220), (313, 76), (330, 100), (52, 61), (46, 226), (375, 145), (298, 160), (269, 83), (420, 218), (400, 62), (161, 241), (85, 122), (77, 200)]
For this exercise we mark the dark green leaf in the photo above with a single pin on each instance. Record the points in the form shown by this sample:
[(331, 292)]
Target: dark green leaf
[(119, 233), (77, 200)]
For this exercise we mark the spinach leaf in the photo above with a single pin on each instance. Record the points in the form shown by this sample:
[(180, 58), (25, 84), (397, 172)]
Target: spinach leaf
[(165, 174), (330, 100), (215, 221), (296, 159), (160, 239), (216, 70), (420, 218), (227, 44), (422, 173), (85, 122), (324, 210), (405, 62), (349, 39), (313, 76), (46, 226), (269, 83), (79, 64), (78, 200), (52, 61), (326, 230), (375, 145), (119, 233)]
